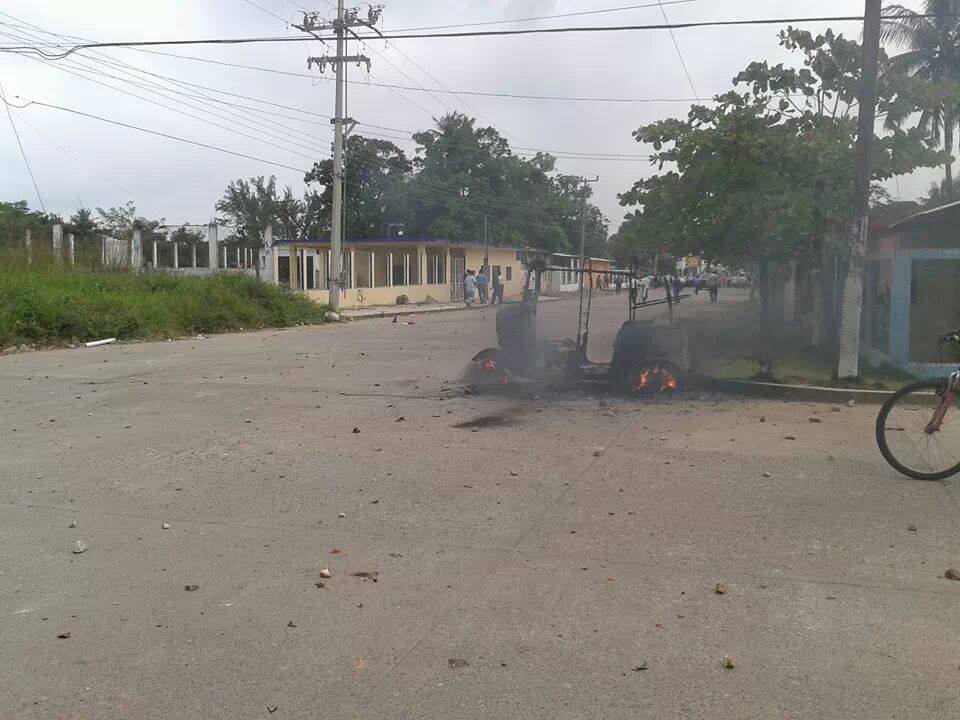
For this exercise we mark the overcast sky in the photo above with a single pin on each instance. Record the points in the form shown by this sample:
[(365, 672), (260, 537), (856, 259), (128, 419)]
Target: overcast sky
[(182, 183)]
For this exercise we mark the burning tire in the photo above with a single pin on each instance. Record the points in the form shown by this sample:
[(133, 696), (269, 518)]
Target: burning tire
[(653, 376), (487, 369)]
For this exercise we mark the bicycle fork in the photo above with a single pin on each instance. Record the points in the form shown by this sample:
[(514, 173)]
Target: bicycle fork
[(949, 399)]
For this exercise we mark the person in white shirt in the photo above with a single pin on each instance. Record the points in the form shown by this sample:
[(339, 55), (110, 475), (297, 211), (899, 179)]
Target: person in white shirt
[(469, 288)]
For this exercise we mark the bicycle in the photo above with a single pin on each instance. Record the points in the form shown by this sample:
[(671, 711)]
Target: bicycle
[(918, 427)]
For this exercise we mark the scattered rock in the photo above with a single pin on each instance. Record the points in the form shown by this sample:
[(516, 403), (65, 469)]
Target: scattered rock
[(65, 635), (366, 574), (332, 316), (325, 573), (663, 437), (597, 451), (165, 526), (952, 574), (319, 584), (191, 588), (342, 515), (79, 547), (336, 551), (763, 418), (640, 668), (291, 624), (815, 420), (767, 474), (457, 663), (851, 402), (271, 709), (789, 437), (728, 662), (911, 527), (720, 589), (400, 419), (356, 431), (72, 524), (514, 472)]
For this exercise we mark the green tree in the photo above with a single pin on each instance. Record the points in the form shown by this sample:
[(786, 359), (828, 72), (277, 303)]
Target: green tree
[(763, 176), (17, 217), (376, 176), (83, 225), (251, 205), (932, 56)]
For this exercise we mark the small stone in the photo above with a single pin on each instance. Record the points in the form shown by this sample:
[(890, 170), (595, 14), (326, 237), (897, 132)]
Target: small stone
[(65, 635), (663, 437), (79, 547), (640, 668), (291, 624), (763, 418), (720, 589), (911, 527), (514, 472), (457, 663), (952, 574), (767, 474), (728, 662), (342, 515), (851, 402), (325, 573), (789, 437), (165, 526), (356, 431), (191, 588), (815, 420), (597, 451), (400, 419), (72, 524)]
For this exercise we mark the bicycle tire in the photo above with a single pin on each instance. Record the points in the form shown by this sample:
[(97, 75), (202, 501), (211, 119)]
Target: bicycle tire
[(935, 385)]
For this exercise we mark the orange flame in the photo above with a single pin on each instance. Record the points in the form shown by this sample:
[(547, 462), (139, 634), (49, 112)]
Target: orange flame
[(668, 381)]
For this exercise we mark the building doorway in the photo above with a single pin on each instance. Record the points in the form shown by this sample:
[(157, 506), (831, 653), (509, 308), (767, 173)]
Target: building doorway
[(458, 268)]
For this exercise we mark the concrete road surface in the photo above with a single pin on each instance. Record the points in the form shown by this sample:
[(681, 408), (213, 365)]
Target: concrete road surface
[(535, 559)]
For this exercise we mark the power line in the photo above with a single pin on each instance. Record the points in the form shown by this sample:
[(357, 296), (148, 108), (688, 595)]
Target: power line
[(23, 154), (153, 132), (551, 17), (85, 165), (268, 12), (676, 45), (424, 36)]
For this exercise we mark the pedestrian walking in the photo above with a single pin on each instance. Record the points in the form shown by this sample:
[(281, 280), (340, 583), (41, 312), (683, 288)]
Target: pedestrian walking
[(482, 286), (469, 288), (713, 285), (618, 283)]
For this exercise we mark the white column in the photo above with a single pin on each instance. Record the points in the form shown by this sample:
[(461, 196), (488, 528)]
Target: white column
[(353, 268), (193, 255), (154, 253), (72, 249), (224, 257), (238, 256), (176, 254), (406, 269), (212, 246), (136, 251), (422, 264), (58, 243), (28, 244), (389, 269)]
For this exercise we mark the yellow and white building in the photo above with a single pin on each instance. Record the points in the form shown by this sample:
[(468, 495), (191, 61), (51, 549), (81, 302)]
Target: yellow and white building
[(379, 271)]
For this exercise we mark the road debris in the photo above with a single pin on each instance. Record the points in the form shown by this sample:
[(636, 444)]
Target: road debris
[(789, 437), (640, 668), (356, 431), (65, 635), (271, 709), (98, 343), (79, 547), (191, 588), (342, 515), (851, 402), (325, 573), (165, 526), (360, 667), (72, 524), (371, 574), (815, 420), (332, 316), (763, 418), (597, 451), (911, 527), (400, 419), (457, 663), (514, 472), (952, 574), (319, 584), (728, 662), (335, 551), (767, 474), (291, 624), (720, 589)]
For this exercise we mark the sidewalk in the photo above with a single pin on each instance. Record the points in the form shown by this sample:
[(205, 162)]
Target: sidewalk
[(386, 311)]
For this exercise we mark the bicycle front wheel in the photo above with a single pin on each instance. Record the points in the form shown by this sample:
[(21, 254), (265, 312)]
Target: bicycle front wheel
[(909, 437)]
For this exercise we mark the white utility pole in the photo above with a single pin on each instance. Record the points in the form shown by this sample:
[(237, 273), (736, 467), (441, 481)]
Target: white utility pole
[(583, 244), (346, 19), (852, 308)]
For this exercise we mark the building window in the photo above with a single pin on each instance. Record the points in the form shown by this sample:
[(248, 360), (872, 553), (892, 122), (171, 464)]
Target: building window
[(508, 275), (436, 267), (364, 262), (283, 270), (381, 269), (398, 274)]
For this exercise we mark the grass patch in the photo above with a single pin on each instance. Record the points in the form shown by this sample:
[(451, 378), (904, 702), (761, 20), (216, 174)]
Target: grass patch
[(806, 366), (48, 304)]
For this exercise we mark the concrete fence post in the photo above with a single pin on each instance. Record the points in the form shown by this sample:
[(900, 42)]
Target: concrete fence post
[(58, 243), (28, 244), (72, 248), (193, 255), (176, 255), (212, 246), (136, 251), (154, 253), (238, 255), (225, 257)]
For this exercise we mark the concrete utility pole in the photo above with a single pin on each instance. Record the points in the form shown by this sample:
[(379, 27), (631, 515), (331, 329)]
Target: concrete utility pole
[(852, 308), (486, 250), (346, 19), (583, 244)]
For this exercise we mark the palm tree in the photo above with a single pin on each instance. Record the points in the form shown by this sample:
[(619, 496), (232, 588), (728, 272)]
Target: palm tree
[(83, 225), (931, 38)]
